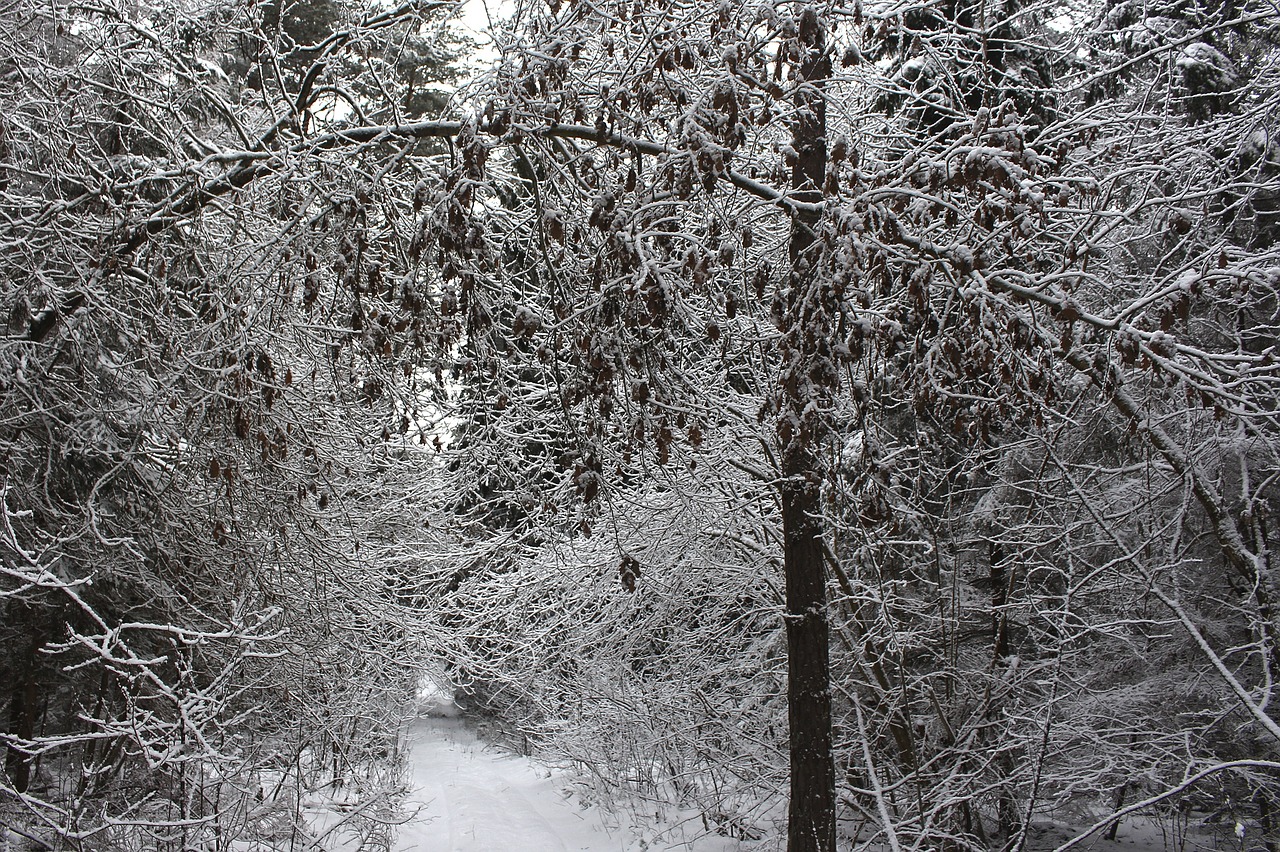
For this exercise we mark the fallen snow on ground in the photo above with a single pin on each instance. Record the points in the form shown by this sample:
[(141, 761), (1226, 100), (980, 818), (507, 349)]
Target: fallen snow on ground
[(470, 796), (466, 796)]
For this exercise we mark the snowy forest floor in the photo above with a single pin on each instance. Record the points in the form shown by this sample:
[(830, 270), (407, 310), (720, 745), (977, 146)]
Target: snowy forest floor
[(469, 794)]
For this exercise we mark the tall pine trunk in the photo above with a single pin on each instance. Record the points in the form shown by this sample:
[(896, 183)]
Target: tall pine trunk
[(811, 814)]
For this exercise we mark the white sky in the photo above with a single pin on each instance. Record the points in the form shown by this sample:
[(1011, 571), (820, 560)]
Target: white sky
[(474, 22)]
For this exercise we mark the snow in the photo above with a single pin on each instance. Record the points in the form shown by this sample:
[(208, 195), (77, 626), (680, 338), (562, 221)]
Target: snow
[(1135, 834), (467, 796), (852, 452)]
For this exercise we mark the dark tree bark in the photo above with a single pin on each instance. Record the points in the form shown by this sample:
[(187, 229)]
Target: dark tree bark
[(22, 716), (24, 711), (999, 597), (811, 815), (811, 818)]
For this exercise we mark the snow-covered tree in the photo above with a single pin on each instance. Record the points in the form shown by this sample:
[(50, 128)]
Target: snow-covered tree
[(192, 638), (980, 295)]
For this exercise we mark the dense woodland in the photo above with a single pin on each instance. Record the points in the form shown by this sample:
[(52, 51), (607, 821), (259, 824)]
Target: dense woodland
[(855, 420)]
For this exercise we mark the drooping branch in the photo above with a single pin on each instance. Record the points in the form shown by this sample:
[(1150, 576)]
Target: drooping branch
[(1249, 565), (1186, 784), (253, 165)]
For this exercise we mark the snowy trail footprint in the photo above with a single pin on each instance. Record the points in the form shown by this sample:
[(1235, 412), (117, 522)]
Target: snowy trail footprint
[(469, 799)]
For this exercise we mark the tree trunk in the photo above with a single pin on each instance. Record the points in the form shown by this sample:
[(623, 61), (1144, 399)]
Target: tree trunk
[(811, 815), (24, 710), (811, 818)]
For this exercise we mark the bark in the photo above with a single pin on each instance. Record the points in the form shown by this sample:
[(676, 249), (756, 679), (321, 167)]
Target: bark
[(1265, 820), (24, 710), (999, 597), (811, 818), (811, 814)]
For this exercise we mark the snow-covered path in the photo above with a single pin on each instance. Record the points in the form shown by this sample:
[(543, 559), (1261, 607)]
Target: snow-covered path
[(469, 798)]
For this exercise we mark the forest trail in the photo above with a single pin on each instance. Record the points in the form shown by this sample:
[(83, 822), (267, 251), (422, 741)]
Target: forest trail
[(468, 797)]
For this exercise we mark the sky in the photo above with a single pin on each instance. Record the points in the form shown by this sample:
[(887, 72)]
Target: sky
[(474, 22)]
